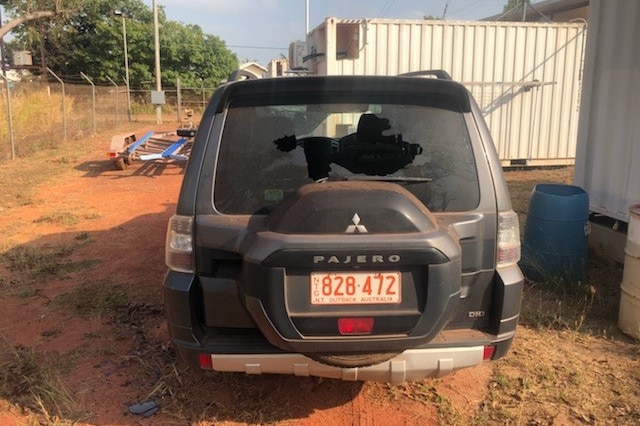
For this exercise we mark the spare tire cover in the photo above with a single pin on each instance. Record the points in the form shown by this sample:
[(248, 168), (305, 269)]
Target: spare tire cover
[(325, 208)]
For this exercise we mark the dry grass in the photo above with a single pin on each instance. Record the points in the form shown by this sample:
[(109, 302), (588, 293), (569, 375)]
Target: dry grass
[(554, 304), (569, 363), (99, 299), (31, 267), (32, 380), (20, 177), (35, 114)]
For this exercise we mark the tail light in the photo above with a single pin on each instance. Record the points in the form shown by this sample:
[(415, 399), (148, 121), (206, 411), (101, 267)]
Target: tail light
[(205, 361), (355, 326), (508, 238), (179, 246), (487, 354)]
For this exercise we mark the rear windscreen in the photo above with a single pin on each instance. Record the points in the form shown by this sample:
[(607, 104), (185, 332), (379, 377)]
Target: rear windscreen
[(267, 152)]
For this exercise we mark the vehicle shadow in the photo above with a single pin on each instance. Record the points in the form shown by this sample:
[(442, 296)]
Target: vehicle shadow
[(94, 169), (267, 399), (95, 299)]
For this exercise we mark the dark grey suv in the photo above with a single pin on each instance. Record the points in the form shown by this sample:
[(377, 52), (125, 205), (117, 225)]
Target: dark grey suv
[(350, 227)]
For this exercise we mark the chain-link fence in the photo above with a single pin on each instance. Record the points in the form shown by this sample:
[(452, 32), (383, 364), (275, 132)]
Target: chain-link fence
[(37, 115)]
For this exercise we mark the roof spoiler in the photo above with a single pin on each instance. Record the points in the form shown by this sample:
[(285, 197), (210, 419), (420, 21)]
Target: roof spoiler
[(251, 74), (439, 74), (248, 71), (240, 74)]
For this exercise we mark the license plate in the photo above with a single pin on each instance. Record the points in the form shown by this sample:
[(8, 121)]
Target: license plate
[(355, 288)]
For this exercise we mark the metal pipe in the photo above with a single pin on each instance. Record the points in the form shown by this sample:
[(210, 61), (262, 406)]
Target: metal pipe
[(306, 18), (10, 117), (64, 108), (156, 39), (126, 65), (179, 100), (117, 101), (124, 15), (204, 99), (93, 92)]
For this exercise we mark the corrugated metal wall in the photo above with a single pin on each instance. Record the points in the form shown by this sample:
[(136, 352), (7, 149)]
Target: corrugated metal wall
[(524, 76), (608, 158)]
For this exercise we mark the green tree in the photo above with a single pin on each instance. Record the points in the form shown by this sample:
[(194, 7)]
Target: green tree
[(31, 16), (196, 58), (35, 13), (90, 40)]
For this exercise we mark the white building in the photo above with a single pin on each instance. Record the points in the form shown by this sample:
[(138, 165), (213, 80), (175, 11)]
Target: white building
[(526, 77)]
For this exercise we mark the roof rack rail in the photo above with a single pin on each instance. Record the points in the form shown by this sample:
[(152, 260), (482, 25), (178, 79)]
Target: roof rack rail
[(440, 74), (248, 71), (240, 74)]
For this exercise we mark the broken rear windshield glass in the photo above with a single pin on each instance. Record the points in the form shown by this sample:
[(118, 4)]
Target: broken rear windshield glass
[(267, 152)]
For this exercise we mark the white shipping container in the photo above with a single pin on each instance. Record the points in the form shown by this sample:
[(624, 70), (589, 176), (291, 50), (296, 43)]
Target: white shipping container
[(608, 158), (524, 76)]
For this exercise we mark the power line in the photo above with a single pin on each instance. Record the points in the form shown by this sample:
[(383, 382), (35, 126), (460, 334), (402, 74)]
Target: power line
[(386, 7), (465, 7)]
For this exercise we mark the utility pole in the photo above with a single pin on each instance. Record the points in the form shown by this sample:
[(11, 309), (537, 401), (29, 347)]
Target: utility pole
[(156, 39), (524, 10), (124, 17), (307, 18), (2, 50), (446, 6)]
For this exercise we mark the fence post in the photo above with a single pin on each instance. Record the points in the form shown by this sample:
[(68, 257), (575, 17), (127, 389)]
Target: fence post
[(93, 95), (179, 100), (64, 108), (204, 101), (129, 110), (10, 117), (117, 96)]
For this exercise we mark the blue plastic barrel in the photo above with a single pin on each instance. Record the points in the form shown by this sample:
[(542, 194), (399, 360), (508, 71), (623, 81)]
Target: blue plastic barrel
[(555, 243)]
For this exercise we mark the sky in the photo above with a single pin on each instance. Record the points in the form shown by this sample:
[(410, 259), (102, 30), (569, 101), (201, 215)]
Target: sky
[(260, 30)]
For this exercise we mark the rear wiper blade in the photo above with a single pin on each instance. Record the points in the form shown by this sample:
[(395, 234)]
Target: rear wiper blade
[(408, 179)]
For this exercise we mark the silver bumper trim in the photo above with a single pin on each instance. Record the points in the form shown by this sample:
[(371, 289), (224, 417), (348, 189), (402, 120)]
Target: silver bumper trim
[(411, 365)]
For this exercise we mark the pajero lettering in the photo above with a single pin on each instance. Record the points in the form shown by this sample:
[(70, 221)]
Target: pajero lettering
[(361, 258)]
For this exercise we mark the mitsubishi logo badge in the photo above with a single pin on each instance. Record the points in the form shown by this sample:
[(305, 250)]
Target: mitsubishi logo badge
[(356, 228)]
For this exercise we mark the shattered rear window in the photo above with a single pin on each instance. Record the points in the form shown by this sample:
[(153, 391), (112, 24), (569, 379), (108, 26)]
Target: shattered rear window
[(268, 151)]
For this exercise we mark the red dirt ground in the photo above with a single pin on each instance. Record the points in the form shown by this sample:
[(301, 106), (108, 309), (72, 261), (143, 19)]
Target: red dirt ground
[(124, 214)]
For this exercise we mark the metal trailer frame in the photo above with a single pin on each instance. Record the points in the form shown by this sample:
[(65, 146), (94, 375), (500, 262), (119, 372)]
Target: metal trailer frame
[(126, 148)]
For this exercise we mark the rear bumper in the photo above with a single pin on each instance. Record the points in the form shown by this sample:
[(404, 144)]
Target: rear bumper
[(444, 356), (245, 350), (411, 365)]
